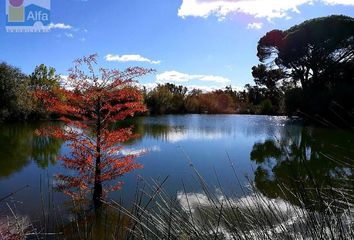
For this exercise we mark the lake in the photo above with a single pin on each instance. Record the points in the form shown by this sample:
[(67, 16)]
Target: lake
[(266, 150)]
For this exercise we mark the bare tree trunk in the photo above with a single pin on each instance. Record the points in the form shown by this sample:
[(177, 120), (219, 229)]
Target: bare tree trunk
[(97, 192)]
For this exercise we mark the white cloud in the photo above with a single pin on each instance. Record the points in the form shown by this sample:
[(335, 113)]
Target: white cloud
[(129, 58), (69, 35), (256, 25), (139, 151), (178, 77), (212, 88), (65, 82), (341, 2), (204, 88), (258, 8), (206, 83), (69, 31), (59, 26)]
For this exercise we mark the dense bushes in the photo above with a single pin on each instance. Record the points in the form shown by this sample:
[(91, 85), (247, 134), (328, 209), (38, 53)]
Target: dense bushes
[(167, 98), (17, 99), (212, 102), (171, 99)]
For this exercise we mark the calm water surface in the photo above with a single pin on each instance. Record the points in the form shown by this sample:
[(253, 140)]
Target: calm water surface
[(266, 150)]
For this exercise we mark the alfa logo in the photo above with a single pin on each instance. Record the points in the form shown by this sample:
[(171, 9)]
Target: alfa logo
[(27, 15)]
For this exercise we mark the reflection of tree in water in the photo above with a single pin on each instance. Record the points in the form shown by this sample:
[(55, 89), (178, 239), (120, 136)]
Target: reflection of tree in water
[(15, 148), (19, 146), (204, 127), (106, 223), (154, 130), (45, 150), (162, 132), (310, 164)]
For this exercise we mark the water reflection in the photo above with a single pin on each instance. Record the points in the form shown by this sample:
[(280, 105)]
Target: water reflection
[(175, 134), (281, 152), (176, 128), (139, 151), (305, 158), (247, 213), (163, 132), (255, 216), (20, 145)]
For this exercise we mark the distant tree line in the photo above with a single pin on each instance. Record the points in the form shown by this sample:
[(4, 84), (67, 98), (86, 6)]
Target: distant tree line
[(170, 99)]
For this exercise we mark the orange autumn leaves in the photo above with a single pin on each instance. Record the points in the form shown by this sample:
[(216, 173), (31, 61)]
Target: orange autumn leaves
[(89, 105)]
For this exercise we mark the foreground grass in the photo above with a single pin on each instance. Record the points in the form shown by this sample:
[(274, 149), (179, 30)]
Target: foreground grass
[(321, 212), (209, 215)]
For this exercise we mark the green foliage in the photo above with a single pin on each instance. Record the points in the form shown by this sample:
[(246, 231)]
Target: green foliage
[(192, 101), (167, 98), (46, 79), (170, 98), (318, 59), (293, 99), (15, 102), (269, 79), (216, 102), (266, 107), (159, 100)]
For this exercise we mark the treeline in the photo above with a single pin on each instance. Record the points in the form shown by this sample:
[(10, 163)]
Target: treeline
[(17, 92), (170, 99)]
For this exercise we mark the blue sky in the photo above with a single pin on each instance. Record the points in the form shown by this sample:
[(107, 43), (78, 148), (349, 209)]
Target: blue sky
[(204, 43)]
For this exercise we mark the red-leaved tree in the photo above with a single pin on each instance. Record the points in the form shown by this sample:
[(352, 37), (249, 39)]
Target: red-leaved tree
[(89, 105)]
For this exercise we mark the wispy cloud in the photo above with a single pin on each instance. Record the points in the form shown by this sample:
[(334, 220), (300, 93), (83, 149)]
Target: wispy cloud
[(69, 35), (70, 31), (337, 2), (59, 26), (178, 77), (258, 8), (205, 88), (139, 151), (256, 25), (129, 58), (202, 87)]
